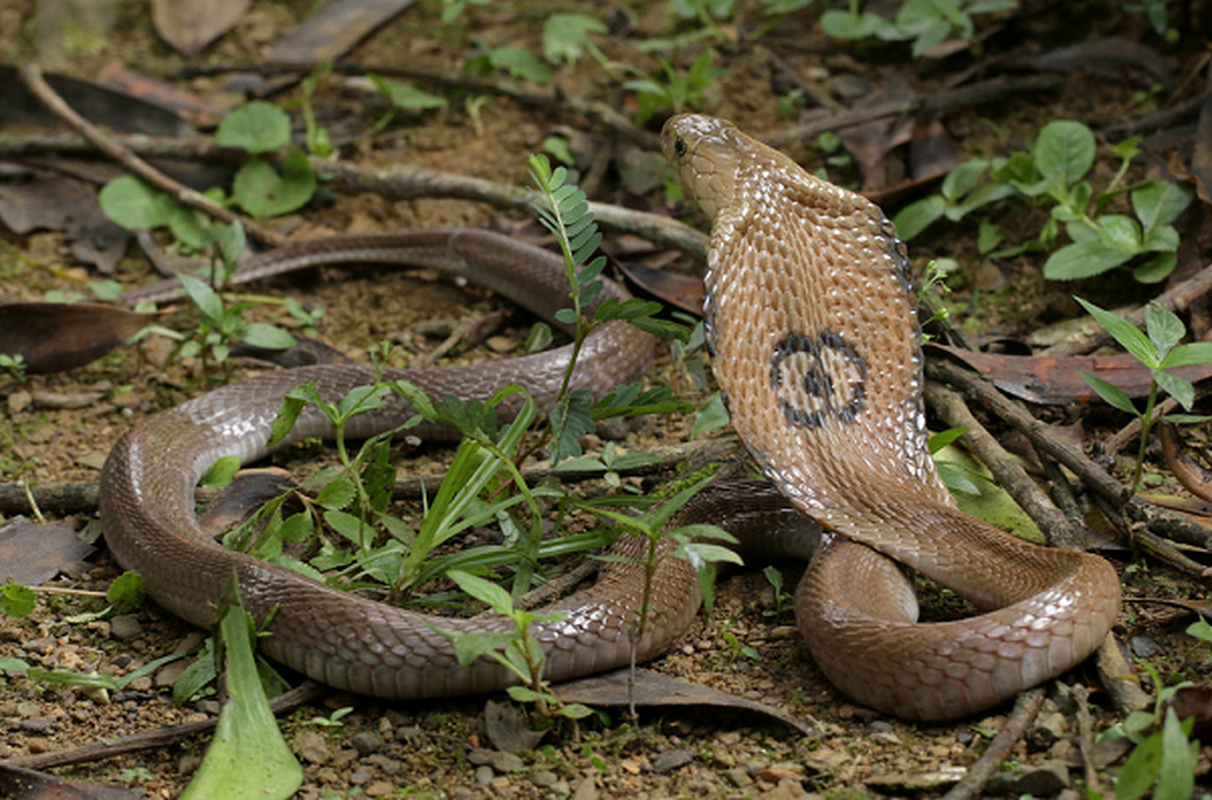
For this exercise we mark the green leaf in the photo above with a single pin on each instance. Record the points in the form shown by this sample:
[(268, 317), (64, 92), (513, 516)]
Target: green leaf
[(842, 25), (337, 494), (221, 472), (713, 416), (565, 35), (126, 591), (1124, 332), (13, 665), (1141, 769), (1188, 354), (206, 299), (943, 438), (270, 337), (570, 421), (1158, 202), (1157, 269), (1179, 757), (963, 179), (232, 242), (193, 229), (248, 756), (539, 338), (916, 217), (257, 127), (1064, 151), (485, 591), (134, 204), (292, 404), (1165, 329), (1120, 231), (1084, 260), (1178, 388), (519, 63), (17, 600), (262, 192), (1111, 393), (407, 96)]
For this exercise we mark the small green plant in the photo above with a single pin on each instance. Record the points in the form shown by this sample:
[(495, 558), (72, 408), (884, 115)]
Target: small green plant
[(782, 599), (1054, 172), (926, 22), (404, 98), (517, 650), (123, 594), (260, 189), (1160, 352), (220, 324), (14, 365), (453, 9), (695, 543), (1164, 758), (655, 93)]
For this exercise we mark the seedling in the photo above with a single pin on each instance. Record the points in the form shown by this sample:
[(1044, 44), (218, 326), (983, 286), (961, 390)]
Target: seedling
[(1160, 352)]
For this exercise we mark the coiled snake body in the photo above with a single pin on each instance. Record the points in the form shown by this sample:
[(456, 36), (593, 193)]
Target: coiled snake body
[(815, 342)]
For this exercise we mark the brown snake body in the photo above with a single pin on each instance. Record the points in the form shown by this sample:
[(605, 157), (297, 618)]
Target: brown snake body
[(811, 319)]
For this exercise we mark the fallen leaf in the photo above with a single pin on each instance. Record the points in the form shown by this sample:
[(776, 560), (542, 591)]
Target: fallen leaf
[(55, 337), (651, 689)]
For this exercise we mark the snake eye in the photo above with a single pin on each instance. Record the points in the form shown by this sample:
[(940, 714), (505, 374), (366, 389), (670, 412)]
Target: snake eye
[(679, 147)]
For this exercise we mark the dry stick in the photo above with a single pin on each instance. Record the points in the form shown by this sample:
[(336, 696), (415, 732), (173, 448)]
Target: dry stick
[(959, 97), (302, 694), (1062, 490), (1119, 680), (1176, 299), (59, 500), (1085, 738), (1013, 478), (113, 148), (1092, 475), (1025, 710), (401, 182)]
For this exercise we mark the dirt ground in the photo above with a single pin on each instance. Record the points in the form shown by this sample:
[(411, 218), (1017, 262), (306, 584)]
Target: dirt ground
[(748, 646)]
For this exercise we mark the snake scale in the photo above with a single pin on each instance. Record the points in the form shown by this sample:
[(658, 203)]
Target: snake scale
[(812, 327)]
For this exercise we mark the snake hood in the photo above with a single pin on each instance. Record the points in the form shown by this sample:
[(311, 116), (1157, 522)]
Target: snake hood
[(813, 276)]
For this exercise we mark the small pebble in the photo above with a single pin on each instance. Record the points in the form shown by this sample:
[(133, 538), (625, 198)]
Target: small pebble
[(671, 760), (367, 742), (125, 626)]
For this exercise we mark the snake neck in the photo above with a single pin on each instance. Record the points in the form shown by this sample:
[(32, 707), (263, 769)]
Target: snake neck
[(812, 321)]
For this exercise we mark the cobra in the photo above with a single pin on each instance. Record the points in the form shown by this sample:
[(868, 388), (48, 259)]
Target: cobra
[(811, 321)]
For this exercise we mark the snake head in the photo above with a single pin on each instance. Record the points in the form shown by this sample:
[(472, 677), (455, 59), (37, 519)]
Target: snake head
[(706, 153)]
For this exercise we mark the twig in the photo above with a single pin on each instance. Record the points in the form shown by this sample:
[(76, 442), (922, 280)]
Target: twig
[(1040, 434), (1091, 474), (1062, 490), (159, 737), (1085, 738), (402, 182), (1176, 299), (1118, 678), (1012, 477), (58, 501), (1025, 709), (114, 148)]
